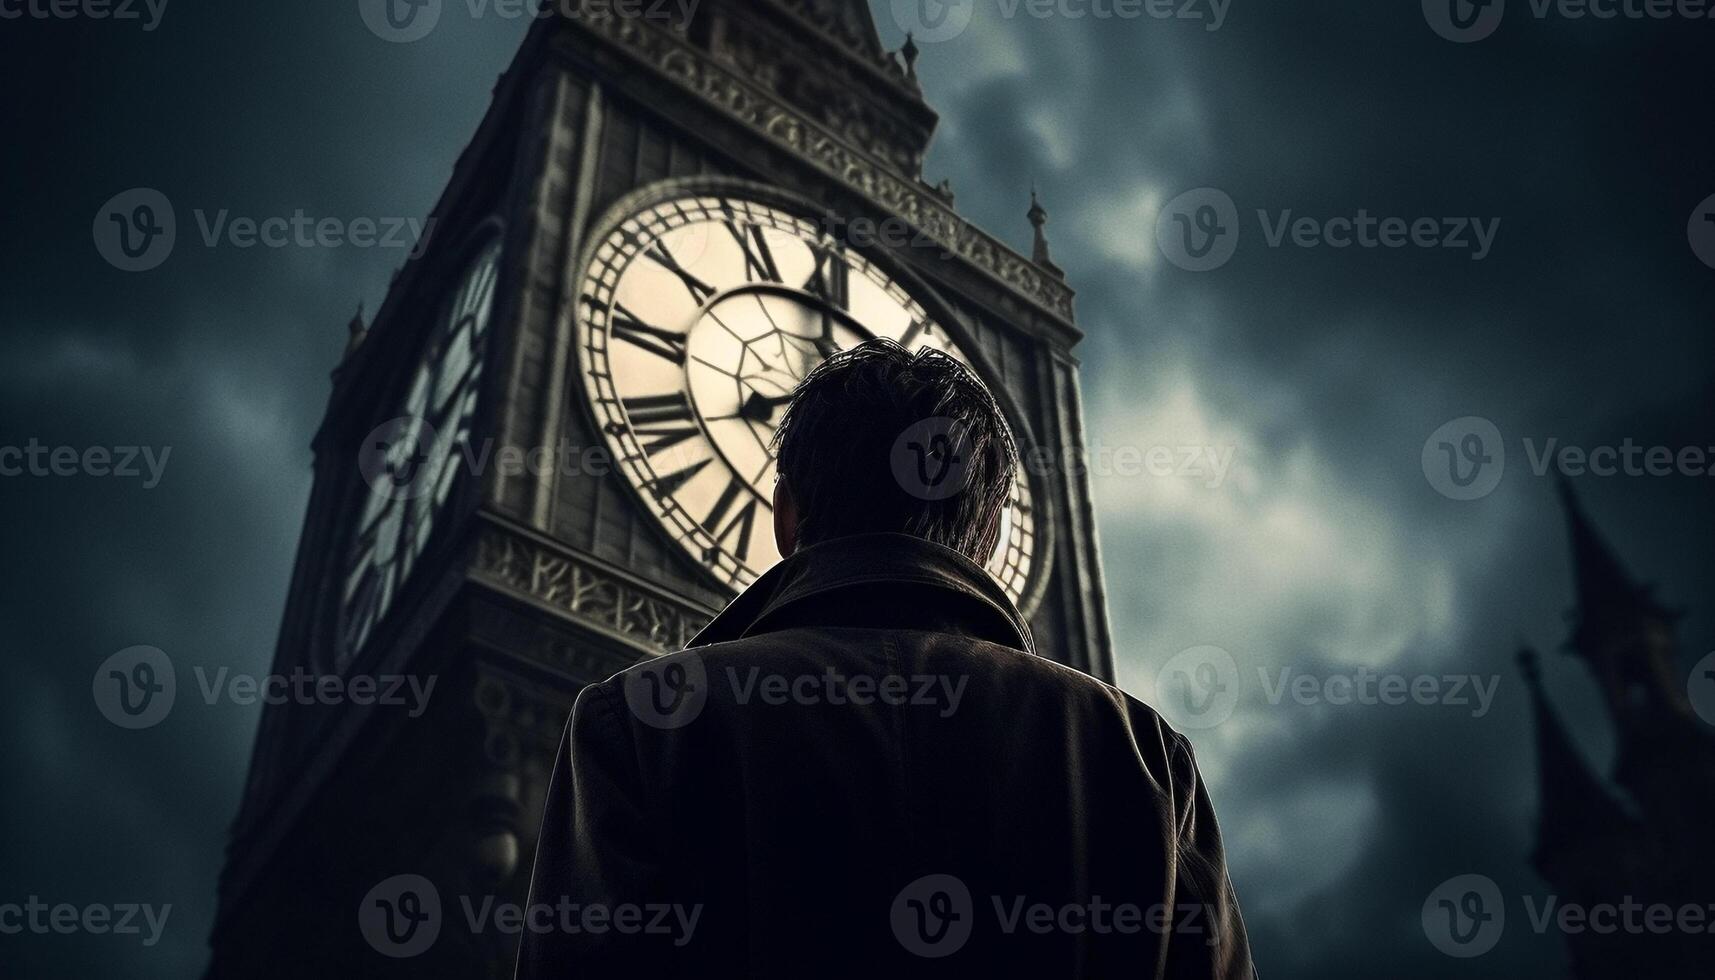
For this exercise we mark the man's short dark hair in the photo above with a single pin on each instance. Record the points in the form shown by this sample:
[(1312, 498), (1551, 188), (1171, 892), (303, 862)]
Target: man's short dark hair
[(879, 439)]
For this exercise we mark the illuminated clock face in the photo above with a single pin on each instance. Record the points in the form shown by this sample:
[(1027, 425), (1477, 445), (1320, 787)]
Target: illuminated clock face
[(697, 319), (413, 461)]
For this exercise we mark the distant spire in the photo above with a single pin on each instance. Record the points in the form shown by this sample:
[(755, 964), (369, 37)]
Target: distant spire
[(1608, 596), (1574, 808), (1038, 216)]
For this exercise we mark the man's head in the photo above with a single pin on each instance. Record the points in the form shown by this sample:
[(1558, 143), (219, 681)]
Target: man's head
[(879, 439)]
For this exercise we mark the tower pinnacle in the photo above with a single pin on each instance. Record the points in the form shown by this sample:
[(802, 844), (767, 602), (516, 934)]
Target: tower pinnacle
[(1038, 216)]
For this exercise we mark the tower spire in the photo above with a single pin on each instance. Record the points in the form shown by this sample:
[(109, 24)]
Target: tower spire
[(908, 54), (1038, 216), (1574, 808), (1613, 610), (1597, 573)]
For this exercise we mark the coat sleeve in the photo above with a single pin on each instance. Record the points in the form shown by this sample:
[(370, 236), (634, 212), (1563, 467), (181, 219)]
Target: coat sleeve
[(596, 858), (1208, 941)]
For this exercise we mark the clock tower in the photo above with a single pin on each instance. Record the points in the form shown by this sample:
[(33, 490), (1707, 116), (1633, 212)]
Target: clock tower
[(546, 456)]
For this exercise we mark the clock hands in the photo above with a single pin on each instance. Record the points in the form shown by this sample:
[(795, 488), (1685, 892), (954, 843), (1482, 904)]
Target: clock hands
[(760, 408), (825, 344)]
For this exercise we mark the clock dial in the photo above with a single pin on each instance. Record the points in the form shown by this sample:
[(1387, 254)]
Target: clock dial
[(697, 319), (416, 457)]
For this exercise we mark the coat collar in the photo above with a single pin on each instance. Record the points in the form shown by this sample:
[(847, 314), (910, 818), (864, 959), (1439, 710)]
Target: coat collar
[(912, 569)]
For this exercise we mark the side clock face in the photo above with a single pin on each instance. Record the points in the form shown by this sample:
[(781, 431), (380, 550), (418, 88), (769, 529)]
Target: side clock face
[(697, 319), (412, 462)]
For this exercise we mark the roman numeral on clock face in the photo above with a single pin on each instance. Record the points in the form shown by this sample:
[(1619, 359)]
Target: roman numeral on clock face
[(743, 522), (661, 421), (631, 328), (700, 290), (831, 279), (759, 265), (665, 486)]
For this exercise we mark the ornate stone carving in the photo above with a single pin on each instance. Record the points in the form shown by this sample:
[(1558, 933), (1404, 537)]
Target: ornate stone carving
[(831, 98), (842, 21), (654, 620), (858, 168)]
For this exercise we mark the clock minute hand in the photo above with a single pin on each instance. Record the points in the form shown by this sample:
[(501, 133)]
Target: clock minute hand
[(760, 408), (825, 344)]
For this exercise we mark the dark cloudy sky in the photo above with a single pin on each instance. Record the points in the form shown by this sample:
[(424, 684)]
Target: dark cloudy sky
[(1323, 550)]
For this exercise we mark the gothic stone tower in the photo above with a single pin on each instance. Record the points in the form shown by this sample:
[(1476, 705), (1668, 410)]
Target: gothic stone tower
[(1646, 839), (657, 227)]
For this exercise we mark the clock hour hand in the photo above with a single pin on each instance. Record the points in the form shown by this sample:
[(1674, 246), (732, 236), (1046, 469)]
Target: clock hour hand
[(825, 344), (760, 408)]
